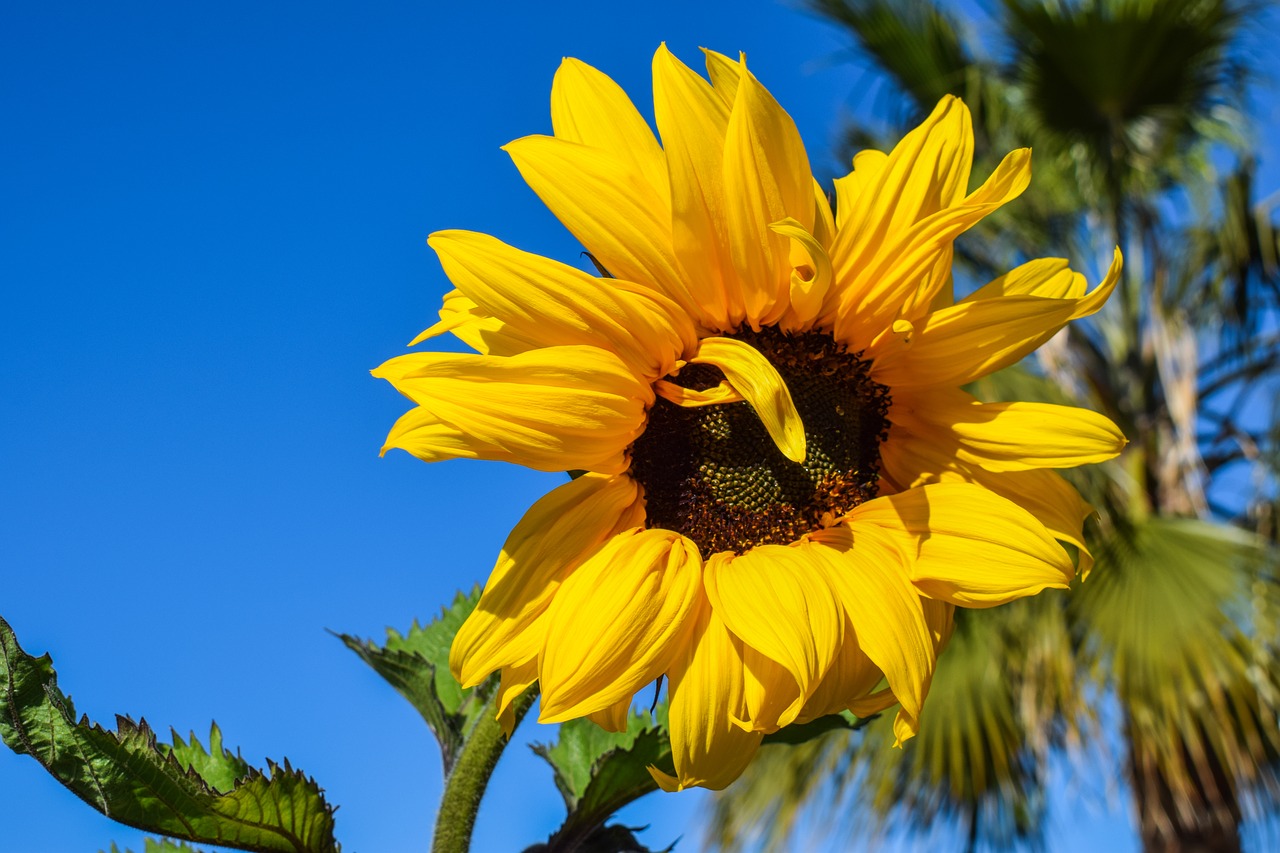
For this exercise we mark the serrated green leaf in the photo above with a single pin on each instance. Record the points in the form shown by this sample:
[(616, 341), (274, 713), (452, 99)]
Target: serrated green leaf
[(161, 845), (583, 747), (130, 778), (416, 664), (217, 766), (599, 772)]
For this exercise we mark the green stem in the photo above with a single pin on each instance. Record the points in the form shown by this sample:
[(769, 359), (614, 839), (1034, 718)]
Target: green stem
[(465, 786)]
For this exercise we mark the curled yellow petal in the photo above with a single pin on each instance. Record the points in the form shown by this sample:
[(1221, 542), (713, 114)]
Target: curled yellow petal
[(751, 374), (852, 676), (810, 274), (772, 695), (690, 398), (866, 166), (617, 622)]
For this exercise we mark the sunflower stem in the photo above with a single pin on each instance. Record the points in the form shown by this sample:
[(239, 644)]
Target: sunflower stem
[(464, 787)]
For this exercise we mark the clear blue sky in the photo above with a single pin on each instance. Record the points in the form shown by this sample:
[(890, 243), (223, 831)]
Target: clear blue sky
[(212, 226)]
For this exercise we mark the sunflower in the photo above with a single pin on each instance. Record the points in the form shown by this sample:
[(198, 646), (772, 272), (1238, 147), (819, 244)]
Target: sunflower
[(782, 491)]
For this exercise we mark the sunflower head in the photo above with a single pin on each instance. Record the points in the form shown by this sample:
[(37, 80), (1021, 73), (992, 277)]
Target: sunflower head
[(786, 490)]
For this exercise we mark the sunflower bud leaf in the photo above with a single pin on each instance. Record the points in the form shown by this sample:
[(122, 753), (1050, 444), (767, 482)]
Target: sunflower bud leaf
[(416, 664), (599, 772), (185, 791)]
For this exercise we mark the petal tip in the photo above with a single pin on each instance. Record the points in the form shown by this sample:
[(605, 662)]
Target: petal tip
[(665, 781)]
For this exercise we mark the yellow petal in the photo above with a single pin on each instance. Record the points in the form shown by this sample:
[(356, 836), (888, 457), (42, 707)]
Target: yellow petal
[(779, 603), (690, 398), (547, 301), (927, 172), (553, 409), (724, 73), (1094, 301), (938, 282), (867, 165), (873, 703), (766, 180), (1008, 436), (588, 107), (422, 434), (810, 276), (824, 223), (1048, 277), (941, 618), (874, 288), (487, 335), (706, 694), (1051, 278), (618, 621), (852, 676), (1044, 493), (886, 613), (956, 345), (962, 343), (612, 211), (751, 374), (967, 545), (515, 680), (772, 695), (692, 120), (615, 718), (557, 532)]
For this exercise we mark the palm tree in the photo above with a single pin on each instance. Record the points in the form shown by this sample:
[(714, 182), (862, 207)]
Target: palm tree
[(1172, 643)]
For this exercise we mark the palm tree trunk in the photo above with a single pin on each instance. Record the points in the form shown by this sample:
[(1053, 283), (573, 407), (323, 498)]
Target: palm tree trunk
[(1203, 816)]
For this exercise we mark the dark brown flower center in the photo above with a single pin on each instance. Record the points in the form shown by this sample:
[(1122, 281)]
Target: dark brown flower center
[(714, 475)]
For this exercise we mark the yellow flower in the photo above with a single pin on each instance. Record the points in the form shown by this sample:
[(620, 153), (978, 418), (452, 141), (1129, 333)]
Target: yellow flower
[(786, 492)]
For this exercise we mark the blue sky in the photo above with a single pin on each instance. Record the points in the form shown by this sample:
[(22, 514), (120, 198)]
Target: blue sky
[(213, 225)]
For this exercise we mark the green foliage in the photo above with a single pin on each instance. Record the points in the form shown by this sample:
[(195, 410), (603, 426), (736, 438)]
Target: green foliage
[(845, 721), (918, 41), (599, 772), (161, 845), (1169, 617), (416, 664), (184, 791)]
